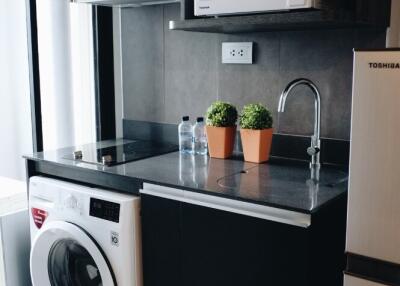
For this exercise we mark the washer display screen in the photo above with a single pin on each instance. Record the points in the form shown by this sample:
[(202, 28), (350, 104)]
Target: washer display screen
[(104, 209)]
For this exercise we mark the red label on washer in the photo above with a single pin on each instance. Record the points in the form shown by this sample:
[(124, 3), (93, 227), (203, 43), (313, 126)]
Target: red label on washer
[(39, 216)]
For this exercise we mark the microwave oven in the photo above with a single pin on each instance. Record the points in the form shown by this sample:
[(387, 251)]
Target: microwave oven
[(228, 7)]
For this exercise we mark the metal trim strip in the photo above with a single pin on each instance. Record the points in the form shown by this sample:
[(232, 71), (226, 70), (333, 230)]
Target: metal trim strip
[(248, 209)]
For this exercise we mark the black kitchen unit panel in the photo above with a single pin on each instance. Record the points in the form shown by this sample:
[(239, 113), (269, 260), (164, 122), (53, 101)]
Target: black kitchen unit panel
[(190, 245), (221, 248), (161, 236)]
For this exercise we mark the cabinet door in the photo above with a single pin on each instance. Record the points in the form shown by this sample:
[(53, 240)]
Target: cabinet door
[(221, 248), (161, 235)]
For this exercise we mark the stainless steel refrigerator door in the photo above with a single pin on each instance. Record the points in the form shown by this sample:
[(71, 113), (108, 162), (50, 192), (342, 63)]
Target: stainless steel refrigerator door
[(353, 281), (374, 186)]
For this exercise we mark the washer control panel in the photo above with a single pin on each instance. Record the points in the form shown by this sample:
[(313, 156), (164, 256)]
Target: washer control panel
[(104, 209), (71, 202)]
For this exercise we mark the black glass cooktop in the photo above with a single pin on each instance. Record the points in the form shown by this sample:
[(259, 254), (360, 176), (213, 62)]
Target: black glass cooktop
[(120, 154)]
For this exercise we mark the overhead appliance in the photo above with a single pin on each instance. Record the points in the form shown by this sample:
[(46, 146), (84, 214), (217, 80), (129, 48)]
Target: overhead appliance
[(126, 3), (226, 7), (373, 226)]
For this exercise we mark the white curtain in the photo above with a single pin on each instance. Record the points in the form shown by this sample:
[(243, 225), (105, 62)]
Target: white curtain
[(65, 42), (15, 114)]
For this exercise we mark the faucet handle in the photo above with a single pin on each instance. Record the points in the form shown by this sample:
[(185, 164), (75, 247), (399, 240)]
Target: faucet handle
[(312, 151)]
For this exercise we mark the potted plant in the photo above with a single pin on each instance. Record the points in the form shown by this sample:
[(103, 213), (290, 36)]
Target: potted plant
[(221, 129), (256, 132)]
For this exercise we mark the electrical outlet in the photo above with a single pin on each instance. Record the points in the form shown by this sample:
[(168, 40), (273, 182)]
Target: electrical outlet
[(237, 53)]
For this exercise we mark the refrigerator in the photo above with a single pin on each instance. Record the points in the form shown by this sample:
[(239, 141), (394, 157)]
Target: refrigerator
[(373, 224)]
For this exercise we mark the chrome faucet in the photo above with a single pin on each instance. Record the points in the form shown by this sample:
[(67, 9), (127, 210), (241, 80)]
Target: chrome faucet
[(315, 148)]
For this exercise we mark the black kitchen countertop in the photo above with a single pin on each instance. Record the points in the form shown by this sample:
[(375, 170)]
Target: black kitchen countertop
[(279, 183)]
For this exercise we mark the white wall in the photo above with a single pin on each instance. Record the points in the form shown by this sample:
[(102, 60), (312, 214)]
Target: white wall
[(15, 114)]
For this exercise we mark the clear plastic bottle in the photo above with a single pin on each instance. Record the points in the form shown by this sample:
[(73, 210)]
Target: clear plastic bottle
[(186, 167), (200, 165), (199, 138), (185, 135)]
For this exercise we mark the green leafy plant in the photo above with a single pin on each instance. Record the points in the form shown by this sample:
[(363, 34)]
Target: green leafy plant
[(256, 117), (221, 114)]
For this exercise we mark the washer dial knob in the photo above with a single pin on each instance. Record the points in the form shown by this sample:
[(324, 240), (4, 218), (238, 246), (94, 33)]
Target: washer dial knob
[(71, 202)]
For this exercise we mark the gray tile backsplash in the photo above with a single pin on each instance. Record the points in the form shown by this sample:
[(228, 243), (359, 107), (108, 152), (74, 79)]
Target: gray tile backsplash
[(143, 63), (167, 74)]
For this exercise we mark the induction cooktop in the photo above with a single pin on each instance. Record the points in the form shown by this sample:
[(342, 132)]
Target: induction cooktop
[(121, 153)]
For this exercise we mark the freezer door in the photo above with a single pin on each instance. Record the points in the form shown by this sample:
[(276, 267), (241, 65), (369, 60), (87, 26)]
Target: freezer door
[(353, 281), (374, 183)]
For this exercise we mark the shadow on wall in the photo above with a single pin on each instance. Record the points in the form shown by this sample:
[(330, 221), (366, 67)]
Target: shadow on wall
[(167, 74)]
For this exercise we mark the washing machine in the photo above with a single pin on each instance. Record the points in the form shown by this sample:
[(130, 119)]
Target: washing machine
[(83, 236)]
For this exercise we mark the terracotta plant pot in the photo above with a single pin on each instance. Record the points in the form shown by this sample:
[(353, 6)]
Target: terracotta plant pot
[(256, 144), (220, 141)]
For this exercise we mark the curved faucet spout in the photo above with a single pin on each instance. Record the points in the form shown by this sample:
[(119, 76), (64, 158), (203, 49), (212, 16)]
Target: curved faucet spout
[(315, 140)]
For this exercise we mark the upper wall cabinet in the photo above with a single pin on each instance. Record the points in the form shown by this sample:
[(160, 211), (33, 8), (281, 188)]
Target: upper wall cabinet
[(326, 14)]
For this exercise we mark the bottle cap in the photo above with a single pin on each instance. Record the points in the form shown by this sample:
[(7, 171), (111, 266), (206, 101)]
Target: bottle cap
[(200, 119), (185, 118)]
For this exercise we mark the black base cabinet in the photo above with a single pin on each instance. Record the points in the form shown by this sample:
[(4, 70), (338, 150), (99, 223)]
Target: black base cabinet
[(161, 241), (189, 245)]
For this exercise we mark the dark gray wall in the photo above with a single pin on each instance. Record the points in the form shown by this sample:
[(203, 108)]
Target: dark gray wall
[(167, 74)]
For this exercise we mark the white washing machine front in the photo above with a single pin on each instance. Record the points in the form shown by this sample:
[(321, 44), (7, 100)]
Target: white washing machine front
[(64, 254), (83, 236)]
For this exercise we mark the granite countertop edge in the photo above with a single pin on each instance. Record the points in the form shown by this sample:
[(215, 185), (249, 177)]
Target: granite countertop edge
[(90, 168)]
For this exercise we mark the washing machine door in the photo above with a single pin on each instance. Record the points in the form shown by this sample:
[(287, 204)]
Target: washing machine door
[(63, 254)]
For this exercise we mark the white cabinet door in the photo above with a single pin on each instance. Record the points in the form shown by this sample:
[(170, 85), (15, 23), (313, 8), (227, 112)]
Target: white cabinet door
[(353, 281)]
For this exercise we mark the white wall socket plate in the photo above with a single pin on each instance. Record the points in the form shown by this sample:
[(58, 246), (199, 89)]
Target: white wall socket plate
[(237, 53)]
